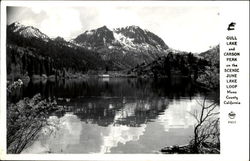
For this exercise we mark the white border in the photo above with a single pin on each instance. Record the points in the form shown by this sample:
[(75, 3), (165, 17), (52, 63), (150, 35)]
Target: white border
[(234, 137)]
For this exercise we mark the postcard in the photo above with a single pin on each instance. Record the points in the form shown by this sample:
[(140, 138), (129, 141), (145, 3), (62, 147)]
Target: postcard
[(124, 80)]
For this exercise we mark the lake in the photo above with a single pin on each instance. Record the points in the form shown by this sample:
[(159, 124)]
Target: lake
[(116, 115)]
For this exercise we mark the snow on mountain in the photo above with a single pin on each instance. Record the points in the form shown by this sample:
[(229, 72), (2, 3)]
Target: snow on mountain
[(131, 37), (32, 32), (126, 46), (123, 40), (27, 31), (95, 38), (121, 47), (140, 36)]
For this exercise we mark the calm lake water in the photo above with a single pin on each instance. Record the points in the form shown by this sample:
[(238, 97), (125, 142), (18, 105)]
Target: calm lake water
[(116, 115)]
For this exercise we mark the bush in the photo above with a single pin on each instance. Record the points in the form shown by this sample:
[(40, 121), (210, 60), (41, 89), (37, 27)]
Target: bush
[(25, 119)]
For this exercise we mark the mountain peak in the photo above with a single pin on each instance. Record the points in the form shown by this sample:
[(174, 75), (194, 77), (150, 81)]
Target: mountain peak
[(103, 28), (27, 31), (130, 37), (16, 23), (60, 39), (96, 37), (141, 36), (134, 27), (15, 26)]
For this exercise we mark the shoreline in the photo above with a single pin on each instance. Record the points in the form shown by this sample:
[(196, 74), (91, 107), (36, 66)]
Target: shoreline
[(207, 148)]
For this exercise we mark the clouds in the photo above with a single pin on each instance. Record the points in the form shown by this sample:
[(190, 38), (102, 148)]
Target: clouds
[(61, 22), (181, 27), (120, 17), (53, 21)]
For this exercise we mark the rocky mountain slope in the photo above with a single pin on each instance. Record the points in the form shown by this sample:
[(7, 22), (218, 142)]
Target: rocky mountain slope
[(202, 68), (30, 52), (120, 48), (126, 46), (131, 49), (212, 55), (27, 31)]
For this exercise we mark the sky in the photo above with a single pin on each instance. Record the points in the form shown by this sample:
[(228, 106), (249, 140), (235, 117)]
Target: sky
[(185, 28)]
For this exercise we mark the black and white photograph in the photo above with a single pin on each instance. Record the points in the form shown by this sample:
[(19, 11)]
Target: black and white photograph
[(115, 78)]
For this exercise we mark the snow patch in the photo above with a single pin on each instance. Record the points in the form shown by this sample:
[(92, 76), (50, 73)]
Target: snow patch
[(89, 32), (111, 47), (31, 32), (123, 40)]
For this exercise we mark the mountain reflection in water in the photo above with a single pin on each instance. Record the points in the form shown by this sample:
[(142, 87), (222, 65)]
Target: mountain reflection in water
[(117, 115)]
